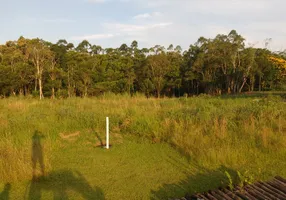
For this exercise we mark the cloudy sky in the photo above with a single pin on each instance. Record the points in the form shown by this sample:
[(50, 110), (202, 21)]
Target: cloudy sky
[(112, 22)]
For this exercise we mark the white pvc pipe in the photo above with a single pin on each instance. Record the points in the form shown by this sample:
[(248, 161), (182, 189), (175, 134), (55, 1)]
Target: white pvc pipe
[(107, 133)]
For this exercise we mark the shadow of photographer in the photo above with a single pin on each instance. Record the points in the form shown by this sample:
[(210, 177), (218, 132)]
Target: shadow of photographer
[(4, 195), (57, 183), (37, 153), (60, 183)]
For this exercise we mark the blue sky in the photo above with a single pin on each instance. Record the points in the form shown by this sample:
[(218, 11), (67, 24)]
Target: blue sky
[(112, 22)]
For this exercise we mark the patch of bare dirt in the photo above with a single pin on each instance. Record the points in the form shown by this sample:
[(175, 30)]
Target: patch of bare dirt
[(70, 136)]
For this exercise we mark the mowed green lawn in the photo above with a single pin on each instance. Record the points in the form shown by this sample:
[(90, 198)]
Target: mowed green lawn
[(161, 148), (131, 169)]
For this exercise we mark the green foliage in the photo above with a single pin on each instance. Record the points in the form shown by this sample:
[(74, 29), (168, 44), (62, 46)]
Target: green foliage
[(239, 179), (245, 178), (230, 181), (212, 65)]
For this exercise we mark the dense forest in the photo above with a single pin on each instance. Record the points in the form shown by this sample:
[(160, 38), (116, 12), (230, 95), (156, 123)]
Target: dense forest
[(220, 65)]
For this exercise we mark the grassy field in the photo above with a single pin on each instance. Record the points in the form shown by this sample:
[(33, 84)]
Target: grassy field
[(160, 148)]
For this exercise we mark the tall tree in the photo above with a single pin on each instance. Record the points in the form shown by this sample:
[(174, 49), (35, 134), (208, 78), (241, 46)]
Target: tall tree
[(41, 56), (159, 67)]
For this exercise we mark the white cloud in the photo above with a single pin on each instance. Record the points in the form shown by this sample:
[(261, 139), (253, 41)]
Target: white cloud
[(134, 28), (161, 25), (60, 20), (32, 20), (104, 1), (142, 16), (157, 14), (148, 15), (146, 34), (256, 20), (92, 37), (97, 1)]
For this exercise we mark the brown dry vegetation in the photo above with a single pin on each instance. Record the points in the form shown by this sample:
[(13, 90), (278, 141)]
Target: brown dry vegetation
[(240, 133)]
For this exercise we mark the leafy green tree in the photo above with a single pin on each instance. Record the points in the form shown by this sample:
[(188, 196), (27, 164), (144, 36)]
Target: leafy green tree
[(41, 56), (173, 77), (211, 65), (83, 47), (159, 67), (19, 73)]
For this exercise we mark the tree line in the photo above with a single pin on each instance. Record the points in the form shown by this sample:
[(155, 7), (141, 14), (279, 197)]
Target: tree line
[(220, 65)]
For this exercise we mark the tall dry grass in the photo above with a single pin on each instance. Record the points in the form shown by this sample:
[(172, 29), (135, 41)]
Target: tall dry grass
[(240, 133)]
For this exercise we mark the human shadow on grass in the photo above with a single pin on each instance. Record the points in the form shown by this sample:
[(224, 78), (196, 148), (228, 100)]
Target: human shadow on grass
[(37, 153), (60, 183), (200, 182), (4, 195)]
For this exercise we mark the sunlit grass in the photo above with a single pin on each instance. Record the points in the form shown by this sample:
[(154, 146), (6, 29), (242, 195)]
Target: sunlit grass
[(208, 135)]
